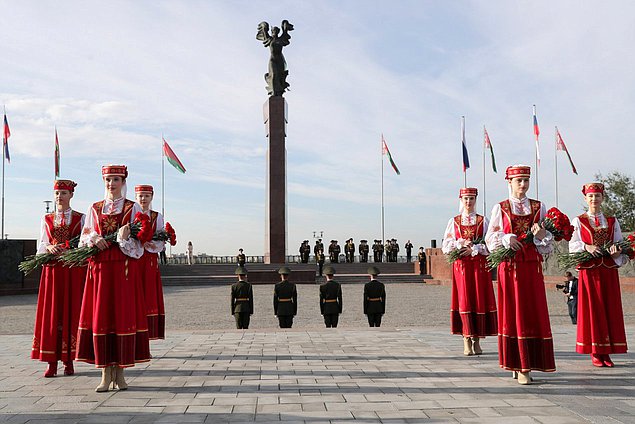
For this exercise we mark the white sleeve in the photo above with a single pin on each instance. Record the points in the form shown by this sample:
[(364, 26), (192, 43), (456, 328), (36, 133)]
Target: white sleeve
[(576, 244), (131, 247), (617, 236), (156, 246), (495, 235), (44, 239), (89, 230), (544, 245), (449, 241)]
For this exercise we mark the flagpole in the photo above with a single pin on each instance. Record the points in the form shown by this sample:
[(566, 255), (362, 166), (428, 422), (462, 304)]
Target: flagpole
[(162, 177), (381, 157), (555, 161), (4, 152), (536, 156), (484, 191)]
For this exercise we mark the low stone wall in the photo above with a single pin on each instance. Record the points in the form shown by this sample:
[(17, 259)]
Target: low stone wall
[(12, 281)]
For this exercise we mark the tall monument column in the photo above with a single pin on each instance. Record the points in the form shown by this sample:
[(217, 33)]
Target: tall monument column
[(275, 117)]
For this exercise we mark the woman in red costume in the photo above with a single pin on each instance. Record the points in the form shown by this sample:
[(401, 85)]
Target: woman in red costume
[(149, 265), (473, 306), (61, 288), (524, 333), (113, 327), (600, 318)]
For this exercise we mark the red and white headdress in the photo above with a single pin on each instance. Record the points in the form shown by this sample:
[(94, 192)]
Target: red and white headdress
[(516, 171), (593, 188), (114, 170), (144, 188), (64, 185), (468, 191)]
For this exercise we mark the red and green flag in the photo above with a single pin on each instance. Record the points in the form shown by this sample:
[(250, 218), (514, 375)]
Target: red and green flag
[(488, 145), (5, 139), (172, 158), (57, 156), (562, 147), (385, 151)]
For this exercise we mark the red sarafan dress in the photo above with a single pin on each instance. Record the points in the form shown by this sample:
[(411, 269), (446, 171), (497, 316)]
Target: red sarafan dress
[(600, 316), (473, 306), (151, 278), (60, 295), (113, 327), (525, 342)]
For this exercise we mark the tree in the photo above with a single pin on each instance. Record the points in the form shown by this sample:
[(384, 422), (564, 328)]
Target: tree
[(619, 198)]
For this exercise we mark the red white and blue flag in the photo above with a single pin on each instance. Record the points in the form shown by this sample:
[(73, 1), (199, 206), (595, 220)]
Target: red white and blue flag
[(536, 134), (5, 138), (466, 158), (562, 147)]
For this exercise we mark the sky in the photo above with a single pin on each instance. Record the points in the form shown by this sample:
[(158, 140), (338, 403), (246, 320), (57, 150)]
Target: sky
[(114, 77)]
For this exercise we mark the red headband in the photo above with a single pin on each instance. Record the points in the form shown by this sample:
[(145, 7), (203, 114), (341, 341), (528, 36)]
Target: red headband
[(593, 188), (143, 188), (64, 185), (468, 191), (517, 171), (114, 170)]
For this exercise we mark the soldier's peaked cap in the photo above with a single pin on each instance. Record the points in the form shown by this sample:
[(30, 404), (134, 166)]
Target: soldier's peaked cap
[(372, 270), (284, 270), (329, 270), (241, 270)]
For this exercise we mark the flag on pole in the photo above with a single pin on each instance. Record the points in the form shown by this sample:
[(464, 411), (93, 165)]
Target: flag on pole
[(172, 158), (536, 133), (385, 151), (466, 159), (5, 138), (57, 156), (488, 145), (562, 147)]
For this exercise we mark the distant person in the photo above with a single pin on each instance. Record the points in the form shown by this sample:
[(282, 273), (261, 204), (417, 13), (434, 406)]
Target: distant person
[(318, 246), (421, 257), (349, 250), (242, 299), (363, 251), (334, 252), (190, 253), (571, 292), (285, 299), (241, 259), (408, 246), (330, 299), (319, 259), (374, 298), (163, 257), (305, 252), (378, 251), (395, 249), (61, 288)]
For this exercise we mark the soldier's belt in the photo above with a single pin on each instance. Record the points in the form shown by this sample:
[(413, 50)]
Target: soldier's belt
[(374, 299), (330, 300), (285, 300), (242, 299)]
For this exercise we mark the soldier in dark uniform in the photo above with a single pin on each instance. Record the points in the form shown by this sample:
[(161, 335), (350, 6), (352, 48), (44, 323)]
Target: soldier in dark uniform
[(242, 301), (241, 258), (421, 257), (334, 252), (330, 299), (319, 258), (395, 250), (408, 248), (349, 250), (388, 250), (378, 249), (318, 246), (374, 298), (363, 250), (305, 252), (285, 299)]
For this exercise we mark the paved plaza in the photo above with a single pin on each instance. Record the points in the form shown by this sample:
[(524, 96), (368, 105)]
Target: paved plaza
[(404, 372)]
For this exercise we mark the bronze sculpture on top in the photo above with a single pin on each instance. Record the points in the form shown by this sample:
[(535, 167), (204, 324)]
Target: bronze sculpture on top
[(277, 76)]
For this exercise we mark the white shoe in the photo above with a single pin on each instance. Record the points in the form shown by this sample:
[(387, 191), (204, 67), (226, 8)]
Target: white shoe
[(106, 379), (524, 378)]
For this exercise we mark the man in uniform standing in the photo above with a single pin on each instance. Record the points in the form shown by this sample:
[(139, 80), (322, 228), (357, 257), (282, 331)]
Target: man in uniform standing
[(330, 299), (363, 250), (242, 299), (319, 258), (305, 252), (388, 250), (285, 299), (318, 246), (374, 298), (334, 252), (395, 250), (349, 249), (241, 258), (408, 248), (571, 291), (421, 257)]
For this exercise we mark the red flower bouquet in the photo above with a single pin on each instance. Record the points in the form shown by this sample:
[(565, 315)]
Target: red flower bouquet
[(556, 222), (168, 234)]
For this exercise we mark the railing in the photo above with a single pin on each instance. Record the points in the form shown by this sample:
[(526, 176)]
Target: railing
[(181, 259)]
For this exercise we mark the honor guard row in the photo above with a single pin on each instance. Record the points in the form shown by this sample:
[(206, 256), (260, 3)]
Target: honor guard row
[(285, 299), (391, 247)]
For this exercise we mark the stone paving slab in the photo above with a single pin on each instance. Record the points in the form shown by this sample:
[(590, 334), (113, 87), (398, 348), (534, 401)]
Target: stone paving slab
[(384, 375)]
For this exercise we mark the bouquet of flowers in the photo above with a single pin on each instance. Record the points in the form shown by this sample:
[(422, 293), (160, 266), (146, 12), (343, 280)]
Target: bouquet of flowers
[(168, 235), (554, 221), (572, 260), (31, 262), (456, 253), (140, 229)]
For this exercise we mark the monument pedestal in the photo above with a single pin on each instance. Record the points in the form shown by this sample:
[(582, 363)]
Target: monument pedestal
[(275, 118)]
